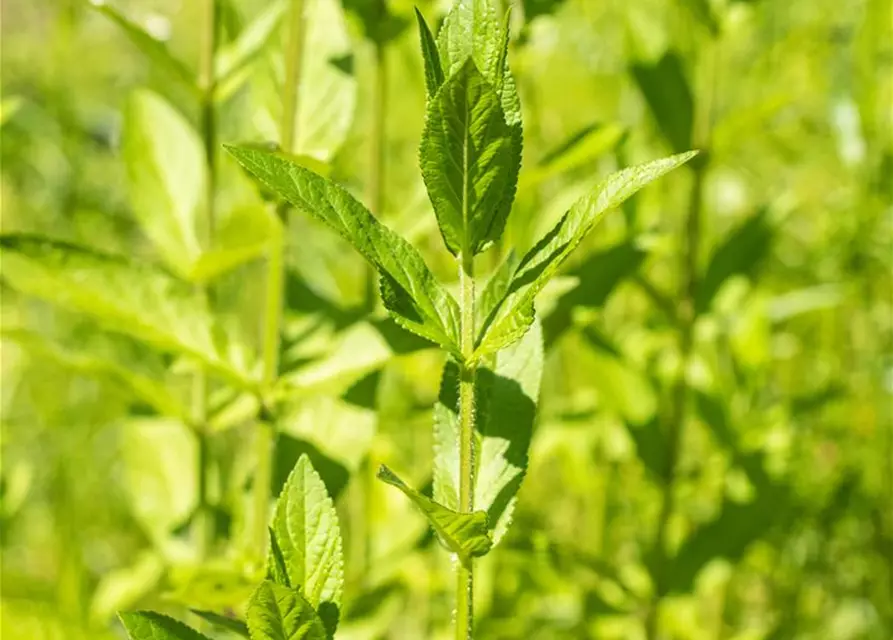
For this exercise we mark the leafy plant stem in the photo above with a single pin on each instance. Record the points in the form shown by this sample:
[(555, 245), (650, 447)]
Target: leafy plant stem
[(679, 395), (205, 520), (465, 573)]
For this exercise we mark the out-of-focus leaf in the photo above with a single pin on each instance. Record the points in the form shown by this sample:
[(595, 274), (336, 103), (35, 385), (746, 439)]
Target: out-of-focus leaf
[(411, 293), (669, 98), (233, 60), (166, 178), (739, 254), (379, 24), (597, 277), (652, 447), (728, 536), (243, 235), (305, 527), (701, 10), (794, 303), (465, 534), (153, 48), (148, 625), (468, 160), (9, 106), (357, 351), (277, 612), (122, 588), (160, 478), (582, 148), (223, 622), (328, 88), (22, 619), (506, 397), (433, 70), (511, 319), (535, 8), (109, 356), (714, 413), (130, 297)]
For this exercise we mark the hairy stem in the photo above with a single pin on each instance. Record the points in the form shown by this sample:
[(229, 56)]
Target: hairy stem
[(204, 523), (272, 328), (465, 574)]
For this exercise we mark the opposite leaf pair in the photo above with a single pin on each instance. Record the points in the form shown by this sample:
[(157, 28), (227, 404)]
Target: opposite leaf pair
[(300, 599)]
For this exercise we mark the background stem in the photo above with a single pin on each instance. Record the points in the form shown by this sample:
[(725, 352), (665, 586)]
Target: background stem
[(204, 522), (375, 188), (465, 574)]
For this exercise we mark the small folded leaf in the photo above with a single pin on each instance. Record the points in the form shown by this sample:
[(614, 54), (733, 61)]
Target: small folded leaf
[(277, 612), (468, 160), (130, 297), (470, 30), (148, 625), (513, 316), (430, 55), (413, 296), (465, 534), (148, 44), (306, 532), (166, 175), (506, 397)]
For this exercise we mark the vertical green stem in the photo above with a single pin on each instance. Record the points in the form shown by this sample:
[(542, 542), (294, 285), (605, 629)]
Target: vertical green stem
[(266, 429), (465, 573), (204, 523), (688, 289)]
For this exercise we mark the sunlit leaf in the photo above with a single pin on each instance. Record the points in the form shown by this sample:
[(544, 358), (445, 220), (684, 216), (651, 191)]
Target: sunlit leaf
[(465, 534), (433, 70), (277, 612), (669, 98), (148, 625), (511, 319)]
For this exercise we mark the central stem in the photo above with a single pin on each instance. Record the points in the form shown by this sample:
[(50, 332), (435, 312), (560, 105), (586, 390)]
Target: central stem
[(465, 573)]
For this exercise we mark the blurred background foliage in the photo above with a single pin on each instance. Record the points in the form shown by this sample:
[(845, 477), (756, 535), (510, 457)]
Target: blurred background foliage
[(750, 498)]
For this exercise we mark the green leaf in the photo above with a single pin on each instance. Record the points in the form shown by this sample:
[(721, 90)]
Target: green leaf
[(9, 106), (506, 396), (411, 293), (223, 622), (511, 319), (107, 356), (328, 87), (158, 458), (130, 297), (470, 30), (379, 25), (277, 612), (430, 55), (701, 10), (124, 587), (581, 149), (468, 161), (597, 278), (740, 253), (233, 60), (166, 175), (669, 98), (153, 48), (305, 528), (534, 8), (148, 625), (465, 534)]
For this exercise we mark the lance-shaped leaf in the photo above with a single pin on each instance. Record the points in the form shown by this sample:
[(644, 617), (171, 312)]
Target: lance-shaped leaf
[(430, 56), (411, 293), (166, 175), (669, 98), (148, 625), (233, 625), (106, 355), (506, 396), (277, 612), (130, 297), (468, 160), (465, 534), (308, 542), (511, 319), (155, 49)]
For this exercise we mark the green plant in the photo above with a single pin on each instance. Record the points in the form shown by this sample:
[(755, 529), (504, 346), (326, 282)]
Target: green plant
[(470, 158)]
